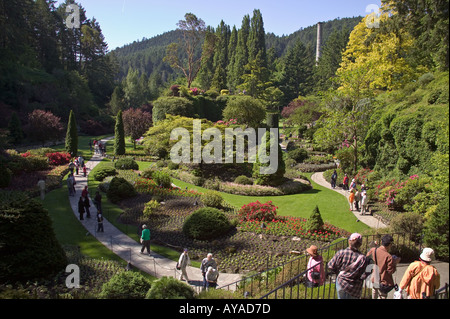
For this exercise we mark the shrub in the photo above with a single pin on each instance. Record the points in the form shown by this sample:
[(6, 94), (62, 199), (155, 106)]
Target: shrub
[(173, 165), (148, 173), (172, 105), (410, 223), (5, 176), (29, 248), (206, 223), (169, 288), (103, 172), (425, 79), (315, 221), (126, 163), (243, 180), (58, 158), (150, 207), (298, 155), (119, 189), (162, 179), (258, 211), (437, 230), (212, 199), (125, 285)]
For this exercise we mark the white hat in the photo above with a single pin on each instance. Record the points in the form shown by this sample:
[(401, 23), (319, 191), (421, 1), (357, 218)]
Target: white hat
[(427, 254)]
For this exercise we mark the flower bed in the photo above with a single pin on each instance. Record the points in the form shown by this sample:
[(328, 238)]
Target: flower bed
[(58, 158), (149, 186)]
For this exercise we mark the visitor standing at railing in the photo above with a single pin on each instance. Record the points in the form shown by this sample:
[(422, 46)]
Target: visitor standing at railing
[(350, 265), (386, 265), (421, 279), (206, 263), (315, 276)]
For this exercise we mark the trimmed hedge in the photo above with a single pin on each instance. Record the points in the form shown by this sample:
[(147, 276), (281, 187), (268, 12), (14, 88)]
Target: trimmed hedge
[(126, 285), (29, 249), (126, 163), (206, 223), (120, 189), (103, 172)]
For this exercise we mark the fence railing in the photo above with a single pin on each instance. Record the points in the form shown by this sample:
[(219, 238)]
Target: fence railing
[(291, 273)]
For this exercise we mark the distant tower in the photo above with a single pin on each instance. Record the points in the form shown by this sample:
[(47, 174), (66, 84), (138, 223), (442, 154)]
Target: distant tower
[(319, 42)]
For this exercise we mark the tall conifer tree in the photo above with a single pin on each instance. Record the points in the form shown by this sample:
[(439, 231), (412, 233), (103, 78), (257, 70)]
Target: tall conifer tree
[(119, 131), (72, 135)]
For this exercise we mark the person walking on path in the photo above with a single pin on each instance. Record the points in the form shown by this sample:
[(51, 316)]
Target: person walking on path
[(315, 276), (98, 201), (363, 203), (86, 206), (345, 183), (41, 186), (384, 267), (85, 192), (357, 199), (350, 265), (207, 262), (351, 198), (100, 223), (84, 170), (183, 262), (421, 279), (81, 208), (333, 179), (145, 239), (211, 277), (71, 185)]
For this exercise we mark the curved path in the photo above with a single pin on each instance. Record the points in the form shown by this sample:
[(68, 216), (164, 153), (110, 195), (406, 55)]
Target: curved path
[(127, 248), (369, 220)]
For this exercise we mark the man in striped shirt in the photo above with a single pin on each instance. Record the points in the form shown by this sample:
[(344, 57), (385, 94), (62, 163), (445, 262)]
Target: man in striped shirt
[(350, 265)]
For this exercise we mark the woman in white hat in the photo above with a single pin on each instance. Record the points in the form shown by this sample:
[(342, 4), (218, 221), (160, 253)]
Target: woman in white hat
[(421, 280)]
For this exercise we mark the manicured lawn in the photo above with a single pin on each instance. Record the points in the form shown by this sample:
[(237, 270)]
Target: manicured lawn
[(68, 229), (333, 206)]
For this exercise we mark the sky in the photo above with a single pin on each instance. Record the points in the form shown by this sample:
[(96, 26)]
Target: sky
[(125, 21)]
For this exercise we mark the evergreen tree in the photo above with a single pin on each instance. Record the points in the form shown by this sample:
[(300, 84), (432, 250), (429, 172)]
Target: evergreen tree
[(256, 42), (119, 139), (330, 60), (220, 61), (297, 72), (206, 73), (260, 177), (72, 135), (315, 221), (241, 55), (15, 135)]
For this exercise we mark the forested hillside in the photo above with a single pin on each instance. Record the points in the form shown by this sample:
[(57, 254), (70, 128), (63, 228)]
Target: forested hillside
[(48, 65)]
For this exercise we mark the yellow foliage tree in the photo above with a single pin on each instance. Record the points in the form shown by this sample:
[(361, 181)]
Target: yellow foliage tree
[(375, 58)]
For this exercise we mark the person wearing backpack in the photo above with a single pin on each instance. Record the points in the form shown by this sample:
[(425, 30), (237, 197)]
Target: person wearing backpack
[(384, 267), (421, 279)]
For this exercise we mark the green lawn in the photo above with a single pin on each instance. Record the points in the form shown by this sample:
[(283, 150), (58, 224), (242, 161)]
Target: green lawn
[(332, 205), (68, 228)]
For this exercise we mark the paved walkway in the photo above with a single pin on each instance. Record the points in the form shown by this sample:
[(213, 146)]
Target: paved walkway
[(127, 248), (369, 220)]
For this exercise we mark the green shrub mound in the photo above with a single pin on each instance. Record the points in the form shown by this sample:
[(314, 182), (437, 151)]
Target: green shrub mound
[(102, 173), (170, 288), (315, 221), (125, 285), (119, 189), (206, 223), (243, 180), (29, 249), (162, 179), (126, 163), (212, 199), (298, 154)]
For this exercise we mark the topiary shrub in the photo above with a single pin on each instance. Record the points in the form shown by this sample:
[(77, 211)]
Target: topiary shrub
[(119, 189), (126, 163), (150, 207), (169, 288), (206, 223), (212, 199), (315, 221), (29, 249), (162, 179), (243, 180), (102, 173), (125, 285), (298, 155)]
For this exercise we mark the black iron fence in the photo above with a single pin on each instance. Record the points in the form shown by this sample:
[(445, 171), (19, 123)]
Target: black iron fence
[(287, 280)]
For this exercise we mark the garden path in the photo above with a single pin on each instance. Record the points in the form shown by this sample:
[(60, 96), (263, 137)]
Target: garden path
[(127, 248), (369, 220)]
